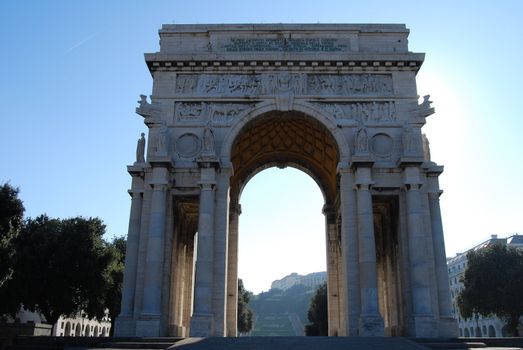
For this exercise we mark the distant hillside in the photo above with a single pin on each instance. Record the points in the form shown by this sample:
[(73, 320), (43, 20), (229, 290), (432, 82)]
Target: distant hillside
[(283, 312)]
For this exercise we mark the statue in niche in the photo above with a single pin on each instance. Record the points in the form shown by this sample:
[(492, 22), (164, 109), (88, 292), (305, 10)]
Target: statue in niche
[(140, 149), (362, 141), (426, 147), (208, 141), (161, 140)]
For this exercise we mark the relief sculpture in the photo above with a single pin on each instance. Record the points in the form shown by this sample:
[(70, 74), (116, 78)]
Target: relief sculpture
[(237, 85), (365, 112), (203, 111)]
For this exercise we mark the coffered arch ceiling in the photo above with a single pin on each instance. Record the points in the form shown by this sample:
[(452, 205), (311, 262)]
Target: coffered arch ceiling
[(285, 138)]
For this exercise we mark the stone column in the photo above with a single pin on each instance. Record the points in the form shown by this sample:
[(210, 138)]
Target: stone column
[(349, 252), (202, 318), (448, 326), (333, 293), (371, 322), (232, 271), (149, 321), (220, 257), (422, 315), (124, 325)]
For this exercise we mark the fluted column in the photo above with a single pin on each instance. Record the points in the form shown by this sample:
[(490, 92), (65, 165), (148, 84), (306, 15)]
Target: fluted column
[(149, 322), (232, 271), (371, 322), (349, 252), (131, 253), (202, 318), (333, 285), (422, 314), (448, 325), (417, 253), (124, 325)]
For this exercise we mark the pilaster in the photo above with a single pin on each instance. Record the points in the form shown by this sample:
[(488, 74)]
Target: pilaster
[(349, 252), (149, 321), (232, 270), (447, 323), (423, 323), (371, 322), (125, 323), (202, 319)]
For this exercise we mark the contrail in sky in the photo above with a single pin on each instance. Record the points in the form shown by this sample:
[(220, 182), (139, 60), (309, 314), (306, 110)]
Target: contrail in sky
[(81, 42)]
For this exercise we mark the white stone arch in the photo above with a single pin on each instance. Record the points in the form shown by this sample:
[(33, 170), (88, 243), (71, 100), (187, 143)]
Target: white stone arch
[(299, 106), (78, 330), (67, 331)]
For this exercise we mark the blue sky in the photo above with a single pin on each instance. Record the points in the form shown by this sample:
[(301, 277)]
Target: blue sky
[(71, 73)]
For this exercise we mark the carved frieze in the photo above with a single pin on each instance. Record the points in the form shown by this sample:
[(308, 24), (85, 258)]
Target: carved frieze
[(364, 112), (241, 85), (209, 111)]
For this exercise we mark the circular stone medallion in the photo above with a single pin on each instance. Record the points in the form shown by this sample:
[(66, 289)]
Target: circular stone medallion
[(382, 145), (188, 145)]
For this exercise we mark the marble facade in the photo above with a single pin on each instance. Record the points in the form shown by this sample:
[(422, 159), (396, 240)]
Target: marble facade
[(338, 101)]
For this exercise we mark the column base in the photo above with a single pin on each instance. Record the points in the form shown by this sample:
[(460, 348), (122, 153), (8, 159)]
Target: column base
[(424, 327), (148, 326), (124, 326), (448, 327), (371, 326), (201, 325)]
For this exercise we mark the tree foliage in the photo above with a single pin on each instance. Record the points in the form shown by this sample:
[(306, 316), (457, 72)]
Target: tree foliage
[(114, 286), (60, 268), (244, 312), (317, 313), (493, 282), (11, 219)]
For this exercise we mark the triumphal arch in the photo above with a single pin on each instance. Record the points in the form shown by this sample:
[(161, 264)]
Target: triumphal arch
[(338, 101)]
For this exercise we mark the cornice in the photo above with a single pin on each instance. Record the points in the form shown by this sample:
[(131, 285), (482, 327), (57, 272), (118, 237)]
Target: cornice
[(293, 62)]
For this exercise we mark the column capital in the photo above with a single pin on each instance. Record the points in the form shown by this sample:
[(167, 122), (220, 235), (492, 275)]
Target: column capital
[(135, 192), (208, 162), (159, 186), (363, 186), (207, 186), (235, 208), (412, 187), (435, 194)]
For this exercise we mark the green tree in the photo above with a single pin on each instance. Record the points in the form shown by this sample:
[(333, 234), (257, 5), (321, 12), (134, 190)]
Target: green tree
[(61, 267), (244, 312), (113, 297), (493, 282), (317, 313), (11, 219)]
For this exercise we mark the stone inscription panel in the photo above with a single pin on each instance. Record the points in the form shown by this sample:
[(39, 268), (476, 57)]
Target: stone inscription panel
[(286, 45), (241, 85)]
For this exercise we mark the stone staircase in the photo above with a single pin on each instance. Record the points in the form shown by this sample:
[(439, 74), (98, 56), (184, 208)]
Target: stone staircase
[(470, 343), (64, 343), (263, 343)]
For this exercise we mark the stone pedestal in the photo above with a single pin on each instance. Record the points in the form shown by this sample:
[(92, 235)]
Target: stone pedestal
[(202, 325)]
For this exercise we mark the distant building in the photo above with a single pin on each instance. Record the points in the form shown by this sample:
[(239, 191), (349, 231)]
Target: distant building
[(482, 326), (311, 280)]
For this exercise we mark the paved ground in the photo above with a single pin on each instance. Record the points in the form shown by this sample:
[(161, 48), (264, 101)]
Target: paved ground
[(297, 343)]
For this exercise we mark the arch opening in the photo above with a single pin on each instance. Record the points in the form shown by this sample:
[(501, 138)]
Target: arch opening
[(296, 140), (285, 138)]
